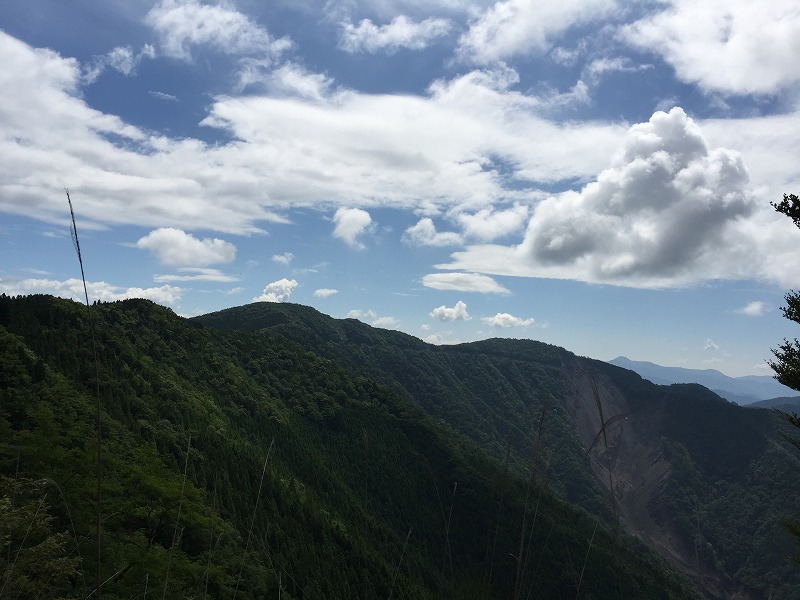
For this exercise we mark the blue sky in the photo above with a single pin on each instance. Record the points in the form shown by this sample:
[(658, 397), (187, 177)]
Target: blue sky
[(594, 174)]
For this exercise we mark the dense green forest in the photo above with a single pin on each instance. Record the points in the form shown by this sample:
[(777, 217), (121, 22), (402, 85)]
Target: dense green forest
[(271, 451), (730, 480)]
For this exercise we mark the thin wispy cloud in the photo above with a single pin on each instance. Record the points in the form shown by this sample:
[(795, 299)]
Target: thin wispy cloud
[(401, 32), (506, 321), (464, 282)]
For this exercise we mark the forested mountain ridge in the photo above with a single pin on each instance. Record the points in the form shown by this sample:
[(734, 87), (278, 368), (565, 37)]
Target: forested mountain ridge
[(238, 464), (706, 483)]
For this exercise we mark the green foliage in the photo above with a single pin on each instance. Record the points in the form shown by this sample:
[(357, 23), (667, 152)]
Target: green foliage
[(789, 206), (787, 365), (357, 463), (490, 392), (35, 560)]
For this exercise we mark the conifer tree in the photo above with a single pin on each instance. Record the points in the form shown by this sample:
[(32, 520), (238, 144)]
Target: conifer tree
[(787, 365)]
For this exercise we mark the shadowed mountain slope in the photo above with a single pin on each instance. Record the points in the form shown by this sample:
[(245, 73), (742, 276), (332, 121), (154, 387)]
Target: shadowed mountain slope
[(704, 482)]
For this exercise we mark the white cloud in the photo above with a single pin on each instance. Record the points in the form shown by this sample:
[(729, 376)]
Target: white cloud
[(122, 59), (599, 68), (463, 282), (177, 248), (424, 233), (316, 147), (505, 321), (373, 318), (400, 33), (163, 96), (710, 345), (325, 292), (288, 80), (488, 224), (283, 259), (754, 309), (197, 274), (361, 315), (513, 27), (184, 24), (568, 57), (351, 223), (432, 153), (277, 291), (97, 290), (456, 313), (728, 46), (658, 217), (385, 322)]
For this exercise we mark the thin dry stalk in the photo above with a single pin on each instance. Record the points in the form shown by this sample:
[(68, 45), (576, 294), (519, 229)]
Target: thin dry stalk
[(447, 528), (22, 545), (76, 242), (539, 562), (491, 540), (210, 543), (253, 519), (177, 518), (603, 426), (585, 560), (399, 564), (521, 557)]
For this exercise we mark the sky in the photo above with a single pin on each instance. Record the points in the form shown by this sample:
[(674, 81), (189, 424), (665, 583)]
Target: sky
[(594, 174)]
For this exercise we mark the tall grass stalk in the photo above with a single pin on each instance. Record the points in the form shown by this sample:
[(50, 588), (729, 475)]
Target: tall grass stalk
[(491, 540), (177, 518), (522, 557), (400, 563), (447, 528), (210, 543), (533, 523), (252, 520), (539, 562), (585, 560), (99, 434), (603, 428), (445, 522), (22, 545)]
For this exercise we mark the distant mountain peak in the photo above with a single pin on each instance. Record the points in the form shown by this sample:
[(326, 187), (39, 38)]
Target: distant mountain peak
[(742, 390)]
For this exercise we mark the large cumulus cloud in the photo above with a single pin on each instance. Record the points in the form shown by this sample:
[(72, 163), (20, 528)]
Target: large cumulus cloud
[(664, 213)]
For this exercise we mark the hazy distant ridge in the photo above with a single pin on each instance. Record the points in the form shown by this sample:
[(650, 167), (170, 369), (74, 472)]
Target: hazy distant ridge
[(742, 390)]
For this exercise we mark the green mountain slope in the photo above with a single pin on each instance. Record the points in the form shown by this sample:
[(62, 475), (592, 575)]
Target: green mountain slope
[(238, 464), (705, 483)]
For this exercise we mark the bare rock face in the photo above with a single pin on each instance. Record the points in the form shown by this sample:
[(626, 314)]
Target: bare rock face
[(625, 449)]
